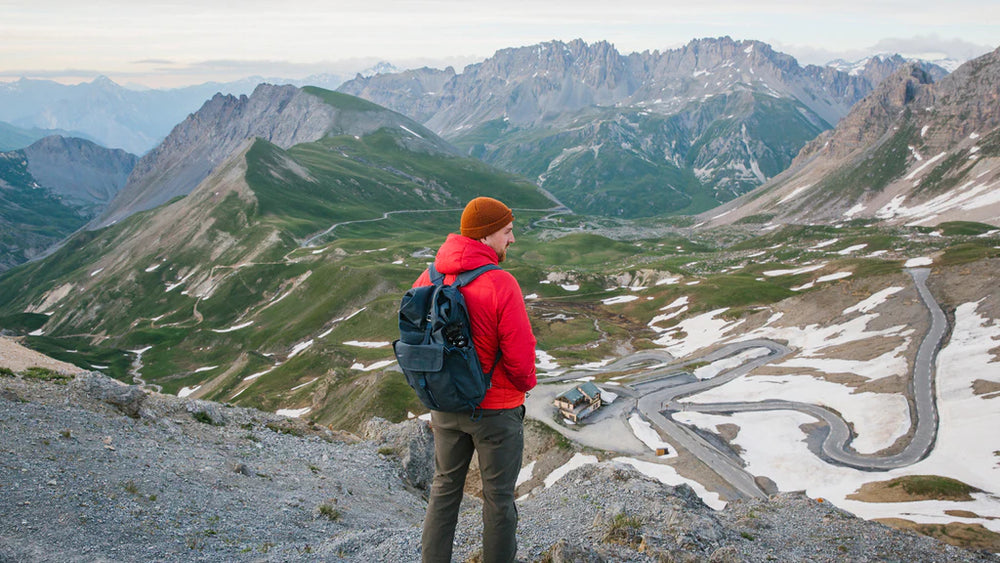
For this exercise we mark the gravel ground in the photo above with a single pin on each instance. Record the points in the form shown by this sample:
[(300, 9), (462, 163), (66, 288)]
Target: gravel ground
[(100, 471)]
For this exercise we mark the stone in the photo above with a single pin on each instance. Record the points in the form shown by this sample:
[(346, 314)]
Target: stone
[(127, 398)]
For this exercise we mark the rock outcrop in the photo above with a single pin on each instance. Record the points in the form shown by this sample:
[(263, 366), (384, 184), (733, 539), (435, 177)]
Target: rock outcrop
[(84, 481)]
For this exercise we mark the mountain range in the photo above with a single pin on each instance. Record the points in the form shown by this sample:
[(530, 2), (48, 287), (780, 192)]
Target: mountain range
[(916, 151), (115, 116), (649, 133)]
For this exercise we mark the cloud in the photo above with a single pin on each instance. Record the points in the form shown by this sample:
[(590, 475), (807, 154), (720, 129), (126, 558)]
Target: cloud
[(927, 45)]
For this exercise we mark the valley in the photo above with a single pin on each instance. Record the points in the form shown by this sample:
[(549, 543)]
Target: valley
[(780, 278)]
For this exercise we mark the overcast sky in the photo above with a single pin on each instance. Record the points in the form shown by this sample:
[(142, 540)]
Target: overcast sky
[(177, 42)]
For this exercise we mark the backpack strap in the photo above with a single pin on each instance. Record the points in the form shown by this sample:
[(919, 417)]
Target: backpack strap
[(436, 278), (465, 278)]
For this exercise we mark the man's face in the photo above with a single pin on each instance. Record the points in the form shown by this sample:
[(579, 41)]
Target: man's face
[(500, 240)]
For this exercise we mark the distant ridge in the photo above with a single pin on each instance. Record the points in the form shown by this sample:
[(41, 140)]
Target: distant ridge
[(50, 189), (913, 152), (283, 115), (678, 131)]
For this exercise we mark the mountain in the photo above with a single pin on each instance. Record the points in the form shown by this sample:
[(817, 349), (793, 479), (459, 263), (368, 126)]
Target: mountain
[(225, 273), (13, 138), (649, 133), (879, 67), (282, 115), (52, 188), (914, 151), (132, 118)]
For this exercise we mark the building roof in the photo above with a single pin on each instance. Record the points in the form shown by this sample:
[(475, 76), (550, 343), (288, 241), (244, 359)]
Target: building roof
[(585, 390)]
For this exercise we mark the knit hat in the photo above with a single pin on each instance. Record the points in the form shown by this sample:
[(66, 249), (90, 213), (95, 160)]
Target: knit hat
[(484, 216)]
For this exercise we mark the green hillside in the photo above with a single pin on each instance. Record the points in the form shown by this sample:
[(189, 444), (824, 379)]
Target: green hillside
[(219, 285), (631, 162)]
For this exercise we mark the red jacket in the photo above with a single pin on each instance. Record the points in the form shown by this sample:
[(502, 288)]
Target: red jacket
[(498, 316)]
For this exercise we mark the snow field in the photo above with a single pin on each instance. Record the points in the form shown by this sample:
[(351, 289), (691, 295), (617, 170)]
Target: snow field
[(775, 447)]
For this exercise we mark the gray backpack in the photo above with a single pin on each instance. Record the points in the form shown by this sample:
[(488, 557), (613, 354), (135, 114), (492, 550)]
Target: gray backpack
[(435, 349)]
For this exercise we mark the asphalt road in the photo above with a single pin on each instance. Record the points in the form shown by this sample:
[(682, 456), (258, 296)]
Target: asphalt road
[(662, 385), (835, 445)]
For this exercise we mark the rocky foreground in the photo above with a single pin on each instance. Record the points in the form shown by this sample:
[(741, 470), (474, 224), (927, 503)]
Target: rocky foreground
[(94, 470)]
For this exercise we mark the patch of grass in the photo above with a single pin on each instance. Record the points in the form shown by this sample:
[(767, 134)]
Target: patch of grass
[(968, 536), (285, 428), (46, 374), (964, 228), (204, 418), (966, 253), (23, 323), (624, 530), (330, 512), (932, 486), (6, 372), (130, 487), (80, 352), (758, 219)]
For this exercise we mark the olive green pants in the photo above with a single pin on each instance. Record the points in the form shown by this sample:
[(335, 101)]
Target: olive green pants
[(497, 436)]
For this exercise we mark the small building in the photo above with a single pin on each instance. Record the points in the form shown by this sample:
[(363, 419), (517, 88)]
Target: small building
[(578, 402)]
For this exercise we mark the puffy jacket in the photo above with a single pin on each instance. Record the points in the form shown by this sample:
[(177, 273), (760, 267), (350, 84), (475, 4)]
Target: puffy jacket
[(498, 316)]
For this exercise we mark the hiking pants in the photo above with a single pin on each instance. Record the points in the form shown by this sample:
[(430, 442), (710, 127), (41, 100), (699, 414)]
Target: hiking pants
[(498, 437)]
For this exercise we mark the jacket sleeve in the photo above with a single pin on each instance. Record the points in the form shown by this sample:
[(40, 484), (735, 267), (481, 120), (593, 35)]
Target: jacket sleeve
[(517, 342)]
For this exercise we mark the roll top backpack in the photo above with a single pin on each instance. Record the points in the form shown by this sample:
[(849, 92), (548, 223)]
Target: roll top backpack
[(435, 349)]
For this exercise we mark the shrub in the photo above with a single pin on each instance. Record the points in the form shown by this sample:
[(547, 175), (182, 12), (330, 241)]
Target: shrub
[(203, 417), (332, 514), (624, 530)]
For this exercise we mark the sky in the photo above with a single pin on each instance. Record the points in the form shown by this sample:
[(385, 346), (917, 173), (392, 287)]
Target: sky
[(179, 42)]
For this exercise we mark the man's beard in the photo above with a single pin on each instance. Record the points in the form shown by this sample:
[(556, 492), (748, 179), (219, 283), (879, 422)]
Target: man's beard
[(502, 255)]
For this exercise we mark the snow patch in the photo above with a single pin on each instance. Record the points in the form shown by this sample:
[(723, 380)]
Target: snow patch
[(232, 328), (874, 301), (918, 262), (361, 344), (619, 299), (578, 460), (375, 366)]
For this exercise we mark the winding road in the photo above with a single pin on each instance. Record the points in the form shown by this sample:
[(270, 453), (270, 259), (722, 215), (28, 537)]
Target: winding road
[(660, 387)]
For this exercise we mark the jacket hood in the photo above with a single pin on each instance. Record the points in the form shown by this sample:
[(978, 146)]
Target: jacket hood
[(460, 254)]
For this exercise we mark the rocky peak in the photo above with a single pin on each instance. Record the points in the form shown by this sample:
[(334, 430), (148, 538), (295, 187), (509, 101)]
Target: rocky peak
[(79, 171), (282, 115), (968, 100), (872, 117)]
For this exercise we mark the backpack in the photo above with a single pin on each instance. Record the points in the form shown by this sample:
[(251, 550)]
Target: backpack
[(435, 349)]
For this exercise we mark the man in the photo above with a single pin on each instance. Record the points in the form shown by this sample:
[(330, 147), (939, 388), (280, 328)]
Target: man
[(500, 328)]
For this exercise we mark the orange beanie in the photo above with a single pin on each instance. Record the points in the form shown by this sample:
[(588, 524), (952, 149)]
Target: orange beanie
[(484, 216)]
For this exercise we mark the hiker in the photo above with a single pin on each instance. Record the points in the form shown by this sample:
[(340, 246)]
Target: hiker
[(502, 337)]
